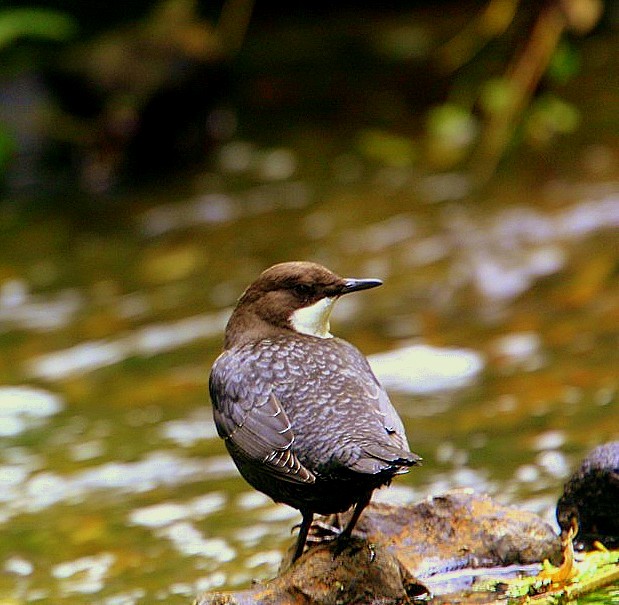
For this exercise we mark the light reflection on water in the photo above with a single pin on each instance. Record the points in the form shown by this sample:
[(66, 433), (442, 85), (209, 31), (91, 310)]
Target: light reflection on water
[(114, 484)]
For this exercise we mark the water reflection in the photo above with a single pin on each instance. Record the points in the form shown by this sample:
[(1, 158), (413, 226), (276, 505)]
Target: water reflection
[(419, 369), (145, 341), (23, 407)]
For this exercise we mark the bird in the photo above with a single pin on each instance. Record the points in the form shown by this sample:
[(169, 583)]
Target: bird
[(589, 504), (300, 411)]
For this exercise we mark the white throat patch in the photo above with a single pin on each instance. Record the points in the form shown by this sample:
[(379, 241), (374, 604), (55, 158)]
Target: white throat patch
[(314, 320)]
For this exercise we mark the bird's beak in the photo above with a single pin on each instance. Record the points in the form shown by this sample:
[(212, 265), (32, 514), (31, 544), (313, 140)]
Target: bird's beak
[(353, 285)]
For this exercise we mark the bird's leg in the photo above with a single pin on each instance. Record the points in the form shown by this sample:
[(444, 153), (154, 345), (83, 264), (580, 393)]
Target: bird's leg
[(361, 504), (308, 517)]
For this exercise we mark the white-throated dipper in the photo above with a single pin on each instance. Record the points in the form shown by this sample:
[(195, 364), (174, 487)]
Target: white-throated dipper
[(302, 415)]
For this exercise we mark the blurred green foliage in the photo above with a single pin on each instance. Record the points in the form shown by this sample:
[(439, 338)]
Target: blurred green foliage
[(502, 68), (451, 129), (565, 63), (548, 116), (16, 23), (7, 147), (386, 148), (496, 95)]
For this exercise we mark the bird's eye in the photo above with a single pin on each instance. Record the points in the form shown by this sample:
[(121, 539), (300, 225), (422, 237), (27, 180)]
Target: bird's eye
[(303, 290)]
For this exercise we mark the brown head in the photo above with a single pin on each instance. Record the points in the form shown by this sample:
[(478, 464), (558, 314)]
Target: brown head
[(294, 296)]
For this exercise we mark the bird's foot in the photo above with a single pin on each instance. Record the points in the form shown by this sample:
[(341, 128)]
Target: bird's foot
[(325, 530)]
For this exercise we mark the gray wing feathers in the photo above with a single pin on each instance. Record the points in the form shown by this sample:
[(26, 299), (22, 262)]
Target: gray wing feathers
[(257, 426), (391, 421), (393, 451)]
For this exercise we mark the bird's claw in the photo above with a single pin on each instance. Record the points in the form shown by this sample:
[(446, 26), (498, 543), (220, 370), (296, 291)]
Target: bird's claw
[(325, 531)]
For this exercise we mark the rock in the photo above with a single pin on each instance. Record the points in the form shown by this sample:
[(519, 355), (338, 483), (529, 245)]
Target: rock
[(591, 498), (394, 547), (361, 573), (456, 530)]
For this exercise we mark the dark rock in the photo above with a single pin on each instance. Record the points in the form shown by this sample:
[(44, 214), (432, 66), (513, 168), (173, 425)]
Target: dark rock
[(591, 498)]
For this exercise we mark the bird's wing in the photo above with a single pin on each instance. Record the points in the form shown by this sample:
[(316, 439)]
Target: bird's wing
[(359, 370), (382, 404), (380, 454), (249, 415)]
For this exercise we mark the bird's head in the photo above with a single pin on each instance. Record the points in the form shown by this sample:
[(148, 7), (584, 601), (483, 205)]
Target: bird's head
[(296, 296)]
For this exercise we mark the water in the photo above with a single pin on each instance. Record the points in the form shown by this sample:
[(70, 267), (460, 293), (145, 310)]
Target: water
[(115, 487)]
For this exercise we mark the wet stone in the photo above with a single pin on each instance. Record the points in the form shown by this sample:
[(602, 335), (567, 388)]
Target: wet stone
[(456, 530), (325, 579), (397, 551)]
